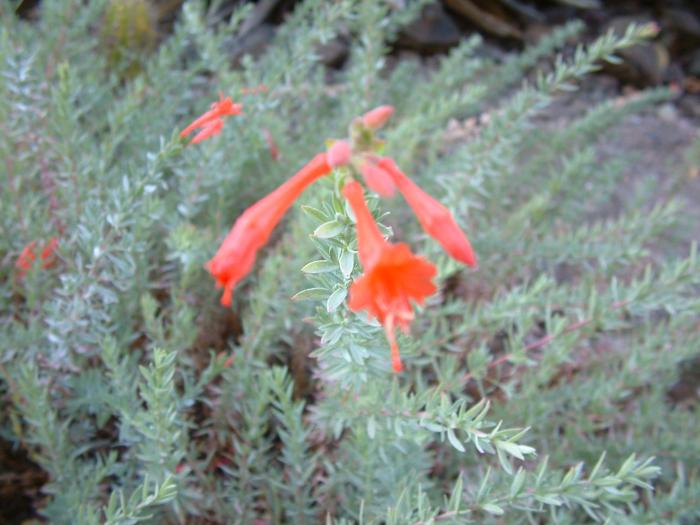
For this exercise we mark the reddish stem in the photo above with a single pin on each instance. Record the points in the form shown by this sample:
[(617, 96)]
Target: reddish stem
[(545, 340)]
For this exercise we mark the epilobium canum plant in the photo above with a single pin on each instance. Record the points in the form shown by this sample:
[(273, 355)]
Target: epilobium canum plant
[(536, 388), (393, 277)]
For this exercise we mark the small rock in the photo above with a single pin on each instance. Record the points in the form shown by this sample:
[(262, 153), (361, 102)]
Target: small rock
[(535, 32), (432, 32), (252, 43), (166, 12), (690, 106), (682, 21), (334, 52), (668, 112), (645, 64), (694, 64), (257, 15), (486, 20), (692, 85), (27, 8)]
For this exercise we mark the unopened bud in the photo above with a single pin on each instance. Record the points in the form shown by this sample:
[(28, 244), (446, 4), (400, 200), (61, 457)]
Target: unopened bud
[(376, 118), (339, 153), (377, 179)]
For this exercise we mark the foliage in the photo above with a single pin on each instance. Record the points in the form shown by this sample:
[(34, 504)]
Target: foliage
[(536, 388)]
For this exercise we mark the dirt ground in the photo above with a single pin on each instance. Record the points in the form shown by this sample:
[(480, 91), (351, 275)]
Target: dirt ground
[(655, 142)]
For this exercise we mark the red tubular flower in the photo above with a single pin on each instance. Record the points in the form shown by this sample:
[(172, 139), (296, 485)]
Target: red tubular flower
[(252, 229), (393, 276), (210, 129), (377, 117), (377, 179), (27, 256), (211, 121), (436, 219), (271, 144)]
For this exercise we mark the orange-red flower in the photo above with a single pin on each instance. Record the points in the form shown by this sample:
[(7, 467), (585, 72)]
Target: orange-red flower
[(252, 229), (211, 122), (436, 219), (393, 276), (209, 129), (377, 179), (27, 256), (383, 176)]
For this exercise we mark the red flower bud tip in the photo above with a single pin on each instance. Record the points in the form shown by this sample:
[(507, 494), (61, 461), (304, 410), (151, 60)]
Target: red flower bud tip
[(271, 144), (218, 463), (339, 153), (393, 276), (179, 468), (211, 122), (236, 255), (48, 254), (377, 117), (377, 179), (225, 363), (260, 88), (27, 256), (396, 364), (436, 219)]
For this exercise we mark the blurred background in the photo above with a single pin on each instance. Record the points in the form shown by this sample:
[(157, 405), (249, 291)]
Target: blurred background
[(660, 142), (506, 24)]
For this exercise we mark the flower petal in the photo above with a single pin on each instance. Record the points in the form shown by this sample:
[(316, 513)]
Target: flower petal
[(377, 179), (393, 276), (236, 256), (211, 129), (369, 238), (211, 120), (436, 219)]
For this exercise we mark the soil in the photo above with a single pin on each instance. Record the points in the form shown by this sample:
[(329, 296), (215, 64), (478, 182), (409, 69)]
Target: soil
[(655, 142)]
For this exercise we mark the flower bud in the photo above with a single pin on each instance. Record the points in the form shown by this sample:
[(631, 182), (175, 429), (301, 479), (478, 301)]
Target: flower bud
[(377, 117), (339, 153), (378, 180)]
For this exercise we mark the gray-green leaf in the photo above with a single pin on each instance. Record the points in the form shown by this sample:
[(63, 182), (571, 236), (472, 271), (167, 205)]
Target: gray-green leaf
[(336, 299), (319, 267)]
